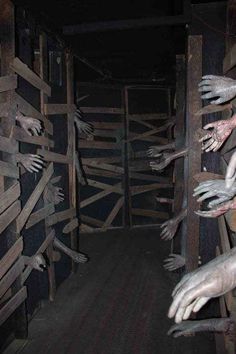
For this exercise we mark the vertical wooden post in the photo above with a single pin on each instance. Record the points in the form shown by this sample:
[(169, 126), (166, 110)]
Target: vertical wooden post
[(71, 147), (7, 41), (193, 123), (43, 100), (126, 179)]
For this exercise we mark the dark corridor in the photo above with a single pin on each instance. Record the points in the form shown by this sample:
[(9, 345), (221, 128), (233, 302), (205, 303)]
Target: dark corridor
[(116, 304)]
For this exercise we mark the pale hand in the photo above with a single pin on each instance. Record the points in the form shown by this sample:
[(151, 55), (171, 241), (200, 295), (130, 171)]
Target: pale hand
[(31, 126), (175, 261), (32, 163), (217, 86)]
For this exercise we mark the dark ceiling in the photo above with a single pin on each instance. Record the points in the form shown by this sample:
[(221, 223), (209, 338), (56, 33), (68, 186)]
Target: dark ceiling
[(142, 53)]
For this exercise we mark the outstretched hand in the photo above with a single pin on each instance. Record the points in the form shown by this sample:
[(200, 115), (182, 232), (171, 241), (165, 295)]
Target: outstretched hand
[(173, 262), (217, 86), (30, 125)]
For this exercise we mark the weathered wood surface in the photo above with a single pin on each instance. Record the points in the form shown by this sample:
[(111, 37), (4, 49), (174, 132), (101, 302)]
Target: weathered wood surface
[(33, 199), (12, 305), (57, 109), (99, 195), (28, 110), (114, 212), (71, 226), (115, 159), (205, 176), (90, 220), (8, 83), (9, 170), (102, 110), (8, 145), (61, 216), (104, 166), (40, 215), (24, 71), (98, 172), (194, 75), (10, 257), (20, 135), (9, 197), (150, 213), (106, 125), (230, 59), (148, 116), (101, 185), (54, 157), (91, 144), (9, 215), (11, 276)]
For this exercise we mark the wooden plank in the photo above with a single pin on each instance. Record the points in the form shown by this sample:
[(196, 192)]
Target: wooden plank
[(102, 110), (61, 216), (24, 71), (9, 197), (148, 187), (150, 213), (11, 276), (106, 125), (33, 199), (7, 310), (97, 172), (114, 212), (10, 257), (205, 176), (99, 195), (86, 228), (194, 75), (101, 185), (8, 170), (40, 215), (105, 166), (20, 135), (230, 59), (28, 110), (9, 215), (8, 145), (224, 237), (71, 226), (90, 220), (58, 109), (148, 116), (91, 144), (114, 159), (54, 157), (8, 82), (147, 133), (44, 246), (145, 177)]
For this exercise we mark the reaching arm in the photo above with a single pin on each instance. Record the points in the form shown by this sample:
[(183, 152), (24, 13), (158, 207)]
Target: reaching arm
[(217, 86), (166, 159), (170, 227)]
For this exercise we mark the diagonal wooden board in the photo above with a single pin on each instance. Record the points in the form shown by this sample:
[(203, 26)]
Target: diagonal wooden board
[(11, 276), (8, 170), (9, 196), (150, 213), (58, 109), (53, 156), (8, 145), (72, 225), (61, 216), (113, 212), (40, 215), (8, 83), (12, 304), (24, 71), (33, 199), (20, 135), (10, 257), (9, 215)]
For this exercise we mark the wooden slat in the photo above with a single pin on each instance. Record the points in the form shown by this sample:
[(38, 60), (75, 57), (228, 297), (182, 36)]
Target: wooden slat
[(10, 257), (148, 187), (150, 213), (91, 144), (71, 226), (28, 110), (24, 71), (8, 170), (20, 135), (105, 166), (99, 195), (148, 133), (31, 202), (7, 310), (205, 176), (106, 125), (8, 145), (90, 220), (61, 216), (86, 228), (230, 59), (145, 177), (103, 173), (102, 110), (101, 185), (53, 156), (114, 212), (9, 215), (11, 276), (44, 246), (114, 159), (148, 116), (40, 215), (8, 83), (53, 109), (9, 197)]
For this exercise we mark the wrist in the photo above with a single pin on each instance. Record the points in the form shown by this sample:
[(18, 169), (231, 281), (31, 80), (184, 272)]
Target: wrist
[(18, 157), (233, 121), (19, 116)]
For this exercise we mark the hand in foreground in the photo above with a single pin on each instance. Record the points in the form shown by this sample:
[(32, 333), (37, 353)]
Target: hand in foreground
[(32, 163), (31, 125), (214, 189), (196, 288), (218, 210), (217, 86)]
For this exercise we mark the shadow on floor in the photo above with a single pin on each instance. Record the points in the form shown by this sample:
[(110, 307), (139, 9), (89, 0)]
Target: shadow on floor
[(115, 304)]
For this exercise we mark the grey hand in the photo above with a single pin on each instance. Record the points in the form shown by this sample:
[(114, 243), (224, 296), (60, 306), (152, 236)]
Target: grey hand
[(169, 229), (217, 86), (154, 151), (196, 288), (214, 188), (53, 194), (31, 125), (165, 160), (175, 261), (37, 262), (83, 127), (32, 163)]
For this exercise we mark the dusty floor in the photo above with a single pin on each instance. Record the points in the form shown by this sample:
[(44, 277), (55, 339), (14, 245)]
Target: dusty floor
[(115, 304)]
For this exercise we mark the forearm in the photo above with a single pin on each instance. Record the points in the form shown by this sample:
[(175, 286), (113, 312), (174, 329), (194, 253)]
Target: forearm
[(181, 215), (180, 153)]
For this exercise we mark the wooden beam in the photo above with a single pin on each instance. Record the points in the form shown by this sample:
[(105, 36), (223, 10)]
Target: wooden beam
[(113, 213), (8, 83), (24, 71), (101, 110), (90, 220), (33, 199), (54, 157), (11, 276), (9, 197), (20, 135), (10, 257), (9, 170), (7, 310), (8, 145), (99, 195), (71, 226), (53, 108), (150, 213), (90, 144), (61, 216), (9, 215), (119, 25), (106, 125), (149, 116), (40, 215)]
